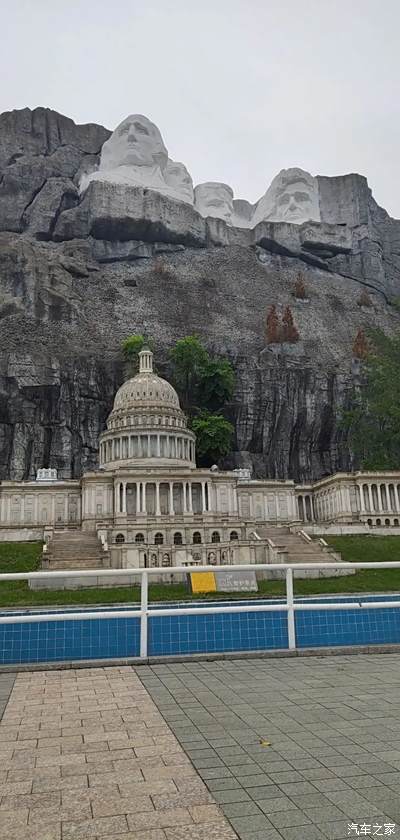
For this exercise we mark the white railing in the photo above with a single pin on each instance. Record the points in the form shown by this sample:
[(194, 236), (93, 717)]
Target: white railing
[(144, 610)]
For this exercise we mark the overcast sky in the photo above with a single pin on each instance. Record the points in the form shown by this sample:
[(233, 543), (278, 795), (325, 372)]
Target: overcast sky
[(239, 88)]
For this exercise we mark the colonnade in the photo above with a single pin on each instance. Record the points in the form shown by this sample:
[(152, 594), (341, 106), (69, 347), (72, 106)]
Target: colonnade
[(161, 498), (160, 445), (382, 497), (305, 506)]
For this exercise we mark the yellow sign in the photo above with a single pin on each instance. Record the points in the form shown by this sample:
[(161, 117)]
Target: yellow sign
[(203, 582)]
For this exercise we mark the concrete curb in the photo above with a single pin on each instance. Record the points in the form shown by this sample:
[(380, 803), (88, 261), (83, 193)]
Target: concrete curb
[(351, 650)]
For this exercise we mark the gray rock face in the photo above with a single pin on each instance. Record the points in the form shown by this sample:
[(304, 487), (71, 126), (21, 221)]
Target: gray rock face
[(41, 152), (78, 273)]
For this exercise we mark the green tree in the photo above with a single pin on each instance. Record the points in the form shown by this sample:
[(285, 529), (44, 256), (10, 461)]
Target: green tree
[(216, 384), (214, 436), (188, 359), (374, 421)]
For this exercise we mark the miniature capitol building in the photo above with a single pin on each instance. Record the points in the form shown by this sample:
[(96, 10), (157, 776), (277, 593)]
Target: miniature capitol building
[(148, 503)]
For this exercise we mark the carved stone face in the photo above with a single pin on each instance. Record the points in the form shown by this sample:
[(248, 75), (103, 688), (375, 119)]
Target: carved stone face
[(214, 199), (135, 142), (178, 179), (292, 197)]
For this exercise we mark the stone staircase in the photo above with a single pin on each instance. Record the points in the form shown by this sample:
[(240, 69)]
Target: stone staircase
[(70, 550), (292, 547)]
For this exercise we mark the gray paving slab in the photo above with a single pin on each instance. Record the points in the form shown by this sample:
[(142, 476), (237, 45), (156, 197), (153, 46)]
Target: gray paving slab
[(291, 749)]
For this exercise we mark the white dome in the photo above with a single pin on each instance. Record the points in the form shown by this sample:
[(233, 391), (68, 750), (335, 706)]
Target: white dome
[(146, 424), (145, 389)]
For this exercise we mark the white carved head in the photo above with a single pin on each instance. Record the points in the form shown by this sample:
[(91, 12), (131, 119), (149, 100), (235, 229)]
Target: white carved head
[(214, 199), (292, 197), (179, 181), (135, 142)]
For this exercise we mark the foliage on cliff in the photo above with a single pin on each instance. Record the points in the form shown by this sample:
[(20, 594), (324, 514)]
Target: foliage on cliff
[(374, 422)]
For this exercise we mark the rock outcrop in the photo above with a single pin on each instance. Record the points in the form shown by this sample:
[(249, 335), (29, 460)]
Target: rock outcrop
[(79, 271)]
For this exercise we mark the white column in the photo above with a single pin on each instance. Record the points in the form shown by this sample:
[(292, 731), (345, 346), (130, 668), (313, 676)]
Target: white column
[(148, 446), (138, 491), (362, 502), (371, 506), (190, 498), (124, 497), (209, 490), (144, 484), (158, 446), (397, 496), (203, 497), (184, 496), (171, 499), (158, 508), (378, 490), (116, 499)]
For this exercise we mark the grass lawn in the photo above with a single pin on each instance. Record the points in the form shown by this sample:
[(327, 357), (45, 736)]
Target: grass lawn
[(25, 557)]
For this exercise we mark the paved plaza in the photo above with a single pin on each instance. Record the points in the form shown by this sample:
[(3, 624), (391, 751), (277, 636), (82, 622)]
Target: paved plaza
[(85, 754), (270, 749), (291, 748)]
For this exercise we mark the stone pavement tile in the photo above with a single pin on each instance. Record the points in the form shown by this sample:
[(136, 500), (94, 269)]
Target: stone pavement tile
[(225, 797), (181, 800), (221, 784), (153, 834), (253, 779), (39, 832), (109, 804), (283, 819), (280, 803), (240, 809), (335, 830), (298, 788), (285, 777), (257, 822), (297, 832), (207, 831), (330, 784), (159, 819), (325, 812), (264, 792), (93, 828)]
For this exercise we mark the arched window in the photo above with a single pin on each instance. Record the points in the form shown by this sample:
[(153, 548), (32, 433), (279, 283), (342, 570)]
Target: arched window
[(139, 538), (369, 522), (387, 521), (378, 522), (234, 535), (166, 560), (178, 538), (215, 537), (197, 537), (120, 538), (396, 522), (158, 539)]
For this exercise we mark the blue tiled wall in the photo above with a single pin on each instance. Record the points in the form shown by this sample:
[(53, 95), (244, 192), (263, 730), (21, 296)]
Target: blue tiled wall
[(62, 641), (316, 628), (214, 633)]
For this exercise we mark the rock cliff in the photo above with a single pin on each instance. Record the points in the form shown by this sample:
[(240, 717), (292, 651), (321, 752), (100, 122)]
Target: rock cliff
[(81, 271)]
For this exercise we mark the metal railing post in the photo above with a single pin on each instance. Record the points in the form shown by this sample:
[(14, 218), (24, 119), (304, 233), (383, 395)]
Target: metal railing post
[(144, 603), (290, 610)]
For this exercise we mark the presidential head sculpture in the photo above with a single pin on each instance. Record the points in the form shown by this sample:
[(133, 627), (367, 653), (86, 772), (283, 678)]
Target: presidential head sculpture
[(214, 199), (134, 155), (179, 181), (135, 142), (292, 197)]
